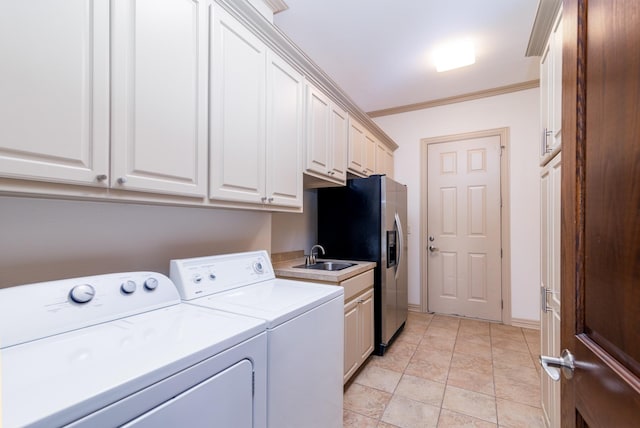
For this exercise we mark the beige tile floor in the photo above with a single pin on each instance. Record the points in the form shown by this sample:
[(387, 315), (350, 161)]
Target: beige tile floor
[(449, 372)]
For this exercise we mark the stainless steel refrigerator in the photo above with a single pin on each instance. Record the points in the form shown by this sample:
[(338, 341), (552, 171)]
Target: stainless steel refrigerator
[(366, 220)]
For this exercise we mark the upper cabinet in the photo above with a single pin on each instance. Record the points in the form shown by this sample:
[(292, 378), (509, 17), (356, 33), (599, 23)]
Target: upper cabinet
[(238, 111), (384, 160), (551, 93), (190, 102), (362, 150), (256, 120), (285, 133), (54, 91), (159, 65), (60, 94), (326, 142)]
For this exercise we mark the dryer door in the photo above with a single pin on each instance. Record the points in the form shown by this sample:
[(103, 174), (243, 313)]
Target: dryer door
[(224, 400)]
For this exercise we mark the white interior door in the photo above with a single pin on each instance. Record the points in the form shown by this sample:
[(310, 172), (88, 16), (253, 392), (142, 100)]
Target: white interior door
[(464, 238)]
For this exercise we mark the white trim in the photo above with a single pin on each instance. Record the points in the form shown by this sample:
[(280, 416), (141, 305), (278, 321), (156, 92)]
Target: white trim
[(545, 17), (525, 323), (414, 308), (458, 98)]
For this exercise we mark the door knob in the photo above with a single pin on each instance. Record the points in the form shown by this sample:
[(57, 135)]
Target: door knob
[(432, 248), (552, 365), (431, 238)]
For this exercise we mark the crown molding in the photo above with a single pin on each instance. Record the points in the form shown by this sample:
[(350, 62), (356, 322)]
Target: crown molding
[(276, 6), (457, 99), (545, 17)]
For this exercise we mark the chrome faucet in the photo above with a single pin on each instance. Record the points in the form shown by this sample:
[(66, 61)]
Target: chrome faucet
[(311, 258)]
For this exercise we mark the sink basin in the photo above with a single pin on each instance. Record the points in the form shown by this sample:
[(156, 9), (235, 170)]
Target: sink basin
[(332, 266)]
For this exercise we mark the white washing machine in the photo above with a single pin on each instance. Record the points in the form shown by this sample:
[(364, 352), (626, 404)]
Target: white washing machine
[(122, 350), (305, 331)]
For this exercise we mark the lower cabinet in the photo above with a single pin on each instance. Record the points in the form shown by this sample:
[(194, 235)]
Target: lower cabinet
[(358, 331)]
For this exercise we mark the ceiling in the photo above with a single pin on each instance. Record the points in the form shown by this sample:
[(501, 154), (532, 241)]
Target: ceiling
[(379, 51)]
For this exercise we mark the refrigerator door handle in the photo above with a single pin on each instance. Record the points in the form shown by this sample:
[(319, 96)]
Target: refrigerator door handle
[(400, 244)]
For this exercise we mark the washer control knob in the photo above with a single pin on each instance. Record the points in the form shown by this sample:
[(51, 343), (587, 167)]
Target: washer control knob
[(151, 284), (128, 287), (82, 293), (258, 268), (212, 276), (197, 278)]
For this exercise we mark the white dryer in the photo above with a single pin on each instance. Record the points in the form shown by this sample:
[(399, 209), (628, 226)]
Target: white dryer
[(305, 331), (122, 350)]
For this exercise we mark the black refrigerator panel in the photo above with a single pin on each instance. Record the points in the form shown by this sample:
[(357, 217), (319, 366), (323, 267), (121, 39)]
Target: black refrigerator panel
[(347, 219)]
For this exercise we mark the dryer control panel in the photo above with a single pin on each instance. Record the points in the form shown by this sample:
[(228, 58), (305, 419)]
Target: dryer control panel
[(203, 276)]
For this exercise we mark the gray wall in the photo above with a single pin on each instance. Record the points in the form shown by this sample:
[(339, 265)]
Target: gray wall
[(46, 239)]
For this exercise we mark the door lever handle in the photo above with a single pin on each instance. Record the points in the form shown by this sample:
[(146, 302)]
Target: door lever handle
[(566, 362), (432, 248)]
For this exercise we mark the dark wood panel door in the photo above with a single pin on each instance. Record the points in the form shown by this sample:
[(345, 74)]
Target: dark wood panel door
[(601, 212)]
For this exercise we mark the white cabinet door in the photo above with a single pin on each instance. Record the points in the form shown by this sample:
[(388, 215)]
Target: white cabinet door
[(338, 143), (556, 85), (285, 110), (384, 160), (551, 93), (550, 199), (54, 90), (370, 144), (318, 130), (351, 338), (365, 320), (327, 134), (357, 148), (159, 96), (237, 112)]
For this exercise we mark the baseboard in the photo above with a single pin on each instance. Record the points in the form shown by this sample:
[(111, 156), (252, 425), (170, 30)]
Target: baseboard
[(524, 323), (414, 308)]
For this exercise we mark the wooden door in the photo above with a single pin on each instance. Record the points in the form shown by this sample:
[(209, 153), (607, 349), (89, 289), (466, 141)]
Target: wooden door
[(159, 96), (54, 91), (237, 110), (600, 212), (285, 120), (463, 225)]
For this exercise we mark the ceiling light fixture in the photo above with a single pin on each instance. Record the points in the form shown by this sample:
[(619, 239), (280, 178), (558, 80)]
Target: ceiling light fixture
[(455, 55)]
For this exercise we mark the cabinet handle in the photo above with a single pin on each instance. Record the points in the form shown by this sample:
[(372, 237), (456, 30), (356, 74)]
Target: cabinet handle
[(122, 180), (545, 141), (360, 300), (544, 292), (270, 200), (263, 199), (101, 177)]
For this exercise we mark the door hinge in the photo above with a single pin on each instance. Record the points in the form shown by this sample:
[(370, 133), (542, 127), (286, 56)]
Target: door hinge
[(253, 383), (501, 253), (501, 304)]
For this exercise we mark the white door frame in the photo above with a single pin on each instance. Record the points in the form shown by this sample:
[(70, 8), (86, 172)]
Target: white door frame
[(505, 220)]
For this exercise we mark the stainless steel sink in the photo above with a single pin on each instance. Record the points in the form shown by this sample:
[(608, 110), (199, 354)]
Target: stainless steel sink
[(332, 266)]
